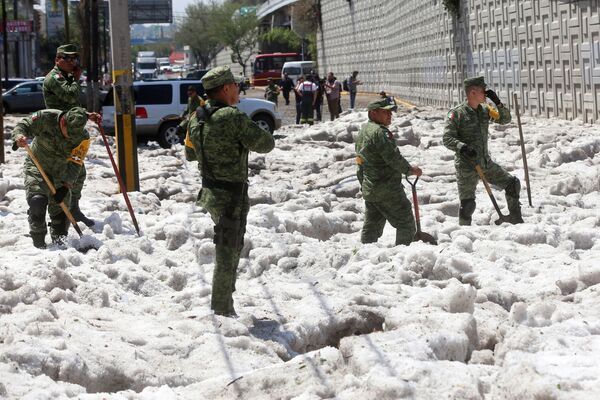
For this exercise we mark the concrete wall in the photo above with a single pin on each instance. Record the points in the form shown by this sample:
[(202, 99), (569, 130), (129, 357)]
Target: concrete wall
[(548, 51)]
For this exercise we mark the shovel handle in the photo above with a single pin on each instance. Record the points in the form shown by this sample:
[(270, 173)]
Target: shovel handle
[(489, 191), (119, 179), (413, 185)]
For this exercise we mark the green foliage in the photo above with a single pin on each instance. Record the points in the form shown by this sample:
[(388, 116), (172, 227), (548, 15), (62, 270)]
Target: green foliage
[(312, 47), (239, 33), (199, 31), (280, 39), (452, 6)]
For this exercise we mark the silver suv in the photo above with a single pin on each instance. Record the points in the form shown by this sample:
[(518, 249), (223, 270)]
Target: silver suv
[(159, 104)]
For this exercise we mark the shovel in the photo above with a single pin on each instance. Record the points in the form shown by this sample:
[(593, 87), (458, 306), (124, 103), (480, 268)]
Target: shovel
[(419, 236), (503, 218)]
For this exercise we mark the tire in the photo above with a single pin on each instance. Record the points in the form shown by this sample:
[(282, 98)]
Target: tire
[(5, 108), (265, 122), (167, 135)]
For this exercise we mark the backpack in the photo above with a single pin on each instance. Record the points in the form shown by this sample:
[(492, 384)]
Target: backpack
[(345, 86)]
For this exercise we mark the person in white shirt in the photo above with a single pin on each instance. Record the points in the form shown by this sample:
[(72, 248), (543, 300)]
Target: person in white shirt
[(307, 90)]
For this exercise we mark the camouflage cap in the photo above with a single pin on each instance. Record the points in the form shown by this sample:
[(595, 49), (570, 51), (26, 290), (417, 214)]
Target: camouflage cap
[(219, 76), (387, 104), (68, 49), (475, 81), (76, 119)]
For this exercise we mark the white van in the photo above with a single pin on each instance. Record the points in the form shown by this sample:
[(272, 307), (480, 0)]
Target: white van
[(295, 69)]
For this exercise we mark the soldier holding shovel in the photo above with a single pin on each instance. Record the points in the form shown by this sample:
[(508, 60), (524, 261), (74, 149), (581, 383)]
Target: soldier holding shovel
[(466, 133)]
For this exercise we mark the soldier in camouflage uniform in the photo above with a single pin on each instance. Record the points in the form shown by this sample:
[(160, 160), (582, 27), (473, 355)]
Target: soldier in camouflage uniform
[(381, 168), (466, 133), (272, 91), (60, 143), (194, 101), (222, 136), (61, 92)]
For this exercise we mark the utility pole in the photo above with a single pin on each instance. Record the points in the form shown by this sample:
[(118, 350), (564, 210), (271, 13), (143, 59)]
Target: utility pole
[(18, 36), (5, 40), (123, 94), (2, 161), (94, 51)]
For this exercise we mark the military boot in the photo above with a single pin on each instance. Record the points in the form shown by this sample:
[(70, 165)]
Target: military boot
[(59, 228), (467, 208), (515, 217), (512, 200), (39, 240), (78, 215)]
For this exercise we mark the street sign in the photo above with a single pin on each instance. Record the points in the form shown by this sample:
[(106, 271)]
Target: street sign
[(18, 26), (150, 11)]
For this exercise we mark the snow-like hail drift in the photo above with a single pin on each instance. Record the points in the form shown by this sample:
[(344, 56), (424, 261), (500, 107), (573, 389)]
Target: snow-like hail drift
[(494, 312)]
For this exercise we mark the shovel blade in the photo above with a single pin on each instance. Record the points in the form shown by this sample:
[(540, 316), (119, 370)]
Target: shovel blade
[(501, 220), (425, 238)]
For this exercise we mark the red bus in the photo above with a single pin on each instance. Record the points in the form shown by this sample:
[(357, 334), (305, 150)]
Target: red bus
[(269, 66)]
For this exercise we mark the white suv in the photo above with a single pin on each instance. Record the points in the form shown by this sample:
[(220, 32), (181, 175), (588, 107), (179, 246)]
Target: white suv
[(160, 103)]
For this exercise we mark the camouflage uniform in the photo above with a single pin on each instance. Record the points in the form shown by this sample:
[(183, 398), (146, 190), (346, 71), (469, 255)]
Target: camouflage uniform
[(61, 92), (222, 137), (272, 93), (381, 168), (468, 126), (182, 129), (61, 158)]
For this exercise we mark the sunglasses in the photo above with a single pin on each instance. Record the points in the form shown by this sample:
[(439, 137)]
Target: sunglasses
[(69, 58)]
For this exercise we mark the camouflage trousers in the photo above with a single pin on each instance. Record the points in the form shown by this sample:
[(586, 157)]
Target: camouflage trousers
[(397, 211), (35, 185), (216, 202), (78, 184), (467, 180)]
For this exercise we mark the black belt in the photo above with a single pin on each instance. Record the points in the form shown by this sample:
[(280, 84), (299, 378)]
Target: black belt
[(236, 187)]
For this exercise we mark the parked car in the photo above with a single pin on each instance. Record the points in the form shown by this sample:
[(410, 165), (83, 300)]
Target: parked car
[(12, 82), (29, 97), (295, 69), (160, 103)]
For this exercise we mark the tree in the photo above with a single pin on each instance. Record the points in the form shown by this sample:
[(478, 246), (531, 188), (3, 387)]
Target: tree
[(280, 39), (239, 33), (305, 22), (199, 31)]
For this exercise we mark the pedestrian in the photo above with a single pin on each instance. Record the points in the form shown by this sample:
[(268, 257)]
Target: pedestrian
[(286, 84), (61, 90), (194, 101), (381, 168), (466, 133), (298, 97), (333, 90), (60, 143), (353, 82), (242, 84), (271, 91), (222, 137), (307, 90), (320, 93)]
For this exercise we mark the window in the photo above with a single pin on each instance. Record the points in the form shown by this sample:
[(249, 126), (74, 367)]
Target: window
[(292, 71), (183, 96), (153, 94), (146, 66), (26, 89)]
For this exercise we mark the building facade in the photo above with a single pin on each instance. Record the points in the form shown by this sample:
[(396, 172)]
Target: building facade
[(547, 51)]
